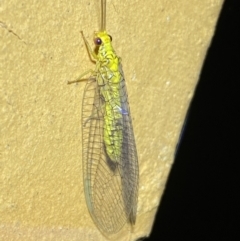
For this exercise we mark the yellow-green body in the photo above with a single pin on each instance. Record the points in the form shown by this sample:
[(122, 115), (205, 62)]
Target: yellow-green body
[(108, 79), (110, 163)]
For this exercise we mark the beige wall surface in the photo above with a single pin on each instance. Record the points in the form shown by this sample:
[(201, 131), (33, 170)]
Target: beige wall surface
[(162, 45)]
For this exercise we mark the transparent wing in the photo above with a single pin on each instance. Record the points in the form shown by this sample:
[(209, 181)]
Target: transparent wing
[(110, 188), (129, 159)]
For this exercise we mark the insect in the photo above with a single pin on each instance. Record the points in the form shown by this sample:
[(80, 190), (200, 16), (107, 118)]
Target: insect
[(110, 160)]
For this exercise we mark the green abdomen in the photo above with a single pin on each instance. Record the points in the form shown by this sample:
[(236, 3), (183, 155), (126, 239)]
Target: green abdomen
[(113, 125)]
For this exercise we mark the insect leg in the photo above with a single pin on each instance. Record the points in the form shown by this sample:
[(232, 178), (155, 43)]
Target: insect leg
[(90, 51), (79, 79), (92, 56)]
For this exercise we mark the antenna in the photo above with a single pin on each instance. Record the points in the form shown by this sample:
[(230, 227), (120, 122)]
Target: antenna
[(103, 15)]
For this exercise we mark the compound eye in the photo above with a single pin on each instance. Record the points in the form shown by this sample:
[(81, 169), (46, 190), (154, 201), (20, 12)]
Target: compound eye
[(97, 41)]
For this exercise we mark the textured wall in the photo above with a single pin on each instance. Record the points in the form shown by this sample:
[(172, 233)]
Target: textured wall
[(162, 44)]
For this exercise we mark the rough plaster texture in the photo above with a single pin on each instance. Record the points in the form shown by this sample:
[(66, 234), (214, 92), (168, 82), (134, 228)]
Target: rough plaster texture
[(162, 44)]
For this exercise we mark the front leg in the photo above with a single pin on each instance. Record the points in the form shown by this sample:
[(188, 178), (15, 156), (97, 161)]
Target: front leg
[(91, 53)]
